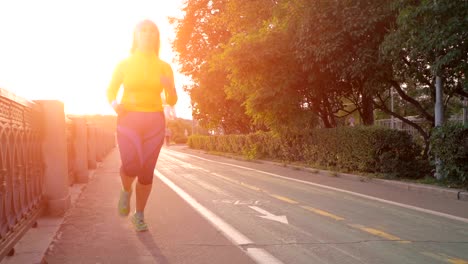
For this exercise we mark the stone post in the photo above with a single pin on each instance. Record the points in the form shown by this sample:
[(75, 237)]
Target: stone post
[(80, 143), (92, 164), (99, 155), (54, 149)]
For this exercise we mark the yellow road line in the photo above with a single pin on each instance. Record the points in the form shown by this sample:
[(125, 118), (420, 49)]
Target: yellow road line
[(381, 234), (284, 199), (323, 213), (237, 182), (445, 258), (457, 261), (226, 178), (250, 186)]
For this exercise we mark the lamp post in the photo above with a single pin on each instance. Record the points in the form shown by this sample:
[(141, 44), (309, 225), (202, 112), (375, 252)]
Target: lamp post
[(392, 125), (438, 115), (465, 111)]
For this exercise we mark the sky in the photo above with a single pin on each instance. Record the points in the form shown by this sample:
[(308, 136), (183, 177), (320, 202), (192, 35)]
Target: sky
[(67, 50)]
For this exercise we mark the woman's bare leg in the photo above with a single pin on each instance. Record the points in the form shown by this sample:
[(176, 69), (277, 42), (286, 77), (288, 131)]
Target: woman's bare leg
[(126, 181), (142, 193)]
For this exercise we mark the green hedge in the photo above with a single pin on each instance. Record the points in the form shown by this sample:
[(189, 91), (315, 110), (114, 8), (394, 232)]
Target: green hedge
[(361, 149), (450, 144), (365, 149), (179, 139)]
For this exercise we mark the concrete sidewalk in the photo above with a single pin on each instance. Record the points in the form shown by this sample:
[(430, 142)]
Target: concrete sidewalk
[(32, 246), (93, 232)]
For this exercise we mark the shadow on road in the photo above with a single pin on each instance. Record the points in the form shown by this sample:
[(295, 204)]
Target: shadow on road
[(146, 239)]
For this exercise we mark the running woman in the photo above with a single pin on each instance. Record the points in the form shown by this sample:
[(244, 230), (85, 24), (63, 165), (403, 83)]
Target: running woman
[(140, 116)]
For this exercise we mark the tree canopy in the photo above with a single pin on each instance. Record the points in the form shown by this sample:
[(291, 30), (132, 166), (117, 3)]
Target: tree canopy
[(289, 65)]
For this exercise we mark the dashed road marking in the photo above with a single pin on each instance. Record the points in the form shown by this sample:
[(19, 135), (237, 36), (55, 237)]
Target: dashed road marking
[(457, 261), (284, 199), (380, 233), (323, 213), (445, 258), (250, 186)]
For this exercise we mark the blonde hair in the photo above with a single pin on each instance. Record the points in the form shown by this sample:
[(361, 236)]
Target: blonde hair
[(156, 43)]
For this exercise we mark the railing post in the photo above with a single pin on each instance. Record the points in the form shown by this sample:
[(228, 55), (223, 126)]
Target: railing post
[(80, 143), (54, 149), (98, 143), (92, 164)]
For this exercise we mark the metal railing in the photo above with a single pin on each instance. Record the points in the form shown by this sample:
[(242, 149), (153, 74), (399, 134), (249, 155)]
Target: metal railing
[(399, 125), (105, 127), (21, 168)]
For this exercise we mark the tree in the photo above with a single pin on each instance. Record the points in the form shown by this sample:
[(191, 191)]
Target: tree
[(341, 39), (263, 71), (199, 37), (428, 39), (181, 129), (277, 64)]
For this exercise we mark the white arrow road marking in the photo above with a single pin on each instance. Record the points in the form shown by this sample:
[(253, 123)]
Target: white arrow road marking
[(267, 215)]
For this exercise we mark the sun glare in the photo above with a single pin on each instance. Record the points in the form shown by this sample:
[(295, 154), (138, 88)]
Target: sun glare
[(67, 50)]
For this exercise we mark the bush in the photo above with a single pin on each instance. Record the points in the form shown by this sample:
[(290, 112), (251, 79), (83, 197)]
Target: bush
[(180, 139), (450, 144), (364, 149), (361, 149)]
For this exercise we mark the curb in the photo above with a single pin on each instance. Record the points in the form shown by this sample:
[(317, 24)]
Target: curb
[(455, 194)]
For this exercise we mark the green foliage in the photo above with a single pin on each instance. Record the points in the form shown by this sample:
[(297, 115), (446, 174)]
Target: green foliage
[(338, 44), (263, 74), (428, 39), (181, 129), (199, 36), (450, 144), (434, 32), (291, 66), (363, 149)]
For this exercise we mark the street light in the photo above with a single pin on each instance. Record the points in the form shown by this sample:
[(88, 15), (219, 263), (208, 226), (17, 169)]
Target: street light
[(392, 125)]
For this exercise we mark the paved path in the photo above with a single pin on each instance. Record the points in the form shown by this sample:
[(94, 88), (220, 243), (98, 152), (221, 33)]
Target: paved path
[(301, 217), (92, 232)]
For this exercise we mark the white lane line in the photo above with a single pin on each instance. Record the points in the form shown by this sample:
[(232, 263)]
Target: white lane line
[(452, 217), (259, 255)]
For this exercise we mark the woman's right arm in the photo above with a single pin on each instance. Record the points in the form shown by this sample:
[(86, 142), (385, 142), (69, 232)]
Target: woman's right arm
[(115, 83)]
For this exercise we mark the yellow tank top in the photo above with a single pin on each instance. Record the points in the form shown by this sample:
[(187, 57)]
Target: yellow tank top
[(144, 77)]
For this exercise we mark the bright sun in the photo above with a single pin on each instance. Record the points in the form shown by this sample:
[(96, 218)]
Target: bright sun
[(67, 50)]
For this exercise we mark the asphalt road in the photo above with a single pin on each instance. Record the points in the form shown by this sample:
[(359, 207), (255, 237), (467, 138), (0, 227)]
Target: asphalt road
[(280, 215)]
